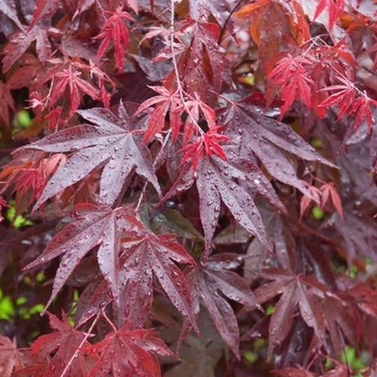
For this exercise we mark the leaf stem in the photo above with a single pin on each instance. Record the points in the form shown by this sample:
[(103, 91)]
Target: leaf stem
[(65, 370)]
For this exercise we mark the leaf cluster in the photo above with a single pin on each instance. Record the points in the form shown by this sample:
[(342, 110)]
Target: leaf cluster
[(187, 188)]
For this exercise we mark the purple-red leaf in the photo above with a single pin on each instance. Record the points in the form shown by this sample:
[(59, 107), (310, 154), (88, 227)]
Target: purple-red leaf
[(128, 352), (270, 141), (145, 255), (110, 143), (93, 227), (61, 346), (11, 359), (21, 42), (219, 181), (212, 283)]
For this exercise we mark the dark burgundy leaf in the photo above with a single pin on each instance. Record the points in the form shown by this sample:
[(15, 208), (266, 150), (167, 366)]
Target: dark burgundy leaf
[(144, 255), (212, 283), (93, 227)]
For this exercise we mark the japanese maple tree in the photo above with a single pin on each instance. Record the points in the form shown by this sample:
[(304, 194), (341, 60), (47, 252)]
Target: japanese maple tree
[(188, 188)]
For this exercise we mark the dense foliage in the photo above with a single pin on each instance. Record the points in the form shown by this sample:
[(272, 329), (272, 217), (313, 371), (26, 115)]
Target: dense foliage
[(188, 188)]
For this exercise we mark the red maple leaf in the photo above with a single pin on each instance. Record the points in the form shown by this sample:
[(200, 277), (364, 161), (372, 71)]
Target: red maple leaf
[(297, 291), (114, 29), (207, 144), (27, 177), (162, 103), (202, 64), (11, 359), (70, 79), (265, 138), (135, 351), (218, 180), (290, 75), (92, 227), (145, 255), (128, 272), (213, 280), (110, 143), (60, 347), (334, 10), (21, 42), (362, 107), (195, 106), (351, 101), (314, 194), (329, 191)]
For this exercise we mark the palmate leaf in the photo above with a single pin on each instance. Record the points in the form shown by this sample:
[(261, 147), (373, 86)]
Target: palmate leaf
[(233, 182), (144, 255), (21, 42), (127, 352), (214, 281), (70, 79), (110, 143), (11, 359), (269, 140), (115, 30), (290, 75), (339, 323), (61, 346), (93, 227), (128, 273), (164, 101), (201, 65), (296, 291)]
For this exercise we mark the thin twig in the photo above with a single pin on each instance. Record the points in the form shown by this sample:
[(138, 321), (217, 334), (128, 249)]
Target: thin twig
[(227, 20), (109, 321), (65, 370)]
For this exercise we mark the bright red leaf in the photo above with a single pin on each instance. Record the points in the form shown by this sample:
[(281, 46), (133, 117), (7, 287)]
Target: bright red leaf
[(334, 8), (115, 30), (165, 101), (291, 77)]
